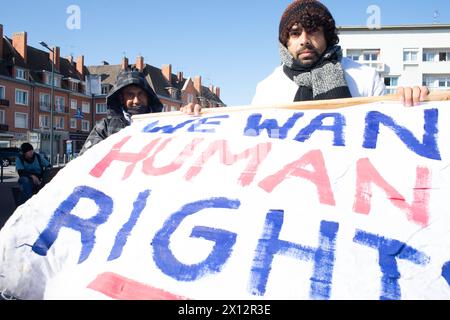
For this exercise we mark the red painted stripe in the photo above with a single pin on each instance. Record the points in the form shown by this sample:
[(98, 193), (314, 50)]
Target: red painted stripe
[(121, 288)]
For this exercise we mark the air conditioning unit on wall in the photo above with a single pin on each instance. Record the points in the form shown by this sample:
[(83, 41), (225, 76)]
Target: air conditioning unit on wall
[(381, 67)]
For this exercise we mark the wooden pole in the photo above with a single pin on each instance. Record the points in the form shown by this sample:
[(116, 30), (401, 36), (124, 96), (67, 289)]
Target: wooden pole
[(313, 105)]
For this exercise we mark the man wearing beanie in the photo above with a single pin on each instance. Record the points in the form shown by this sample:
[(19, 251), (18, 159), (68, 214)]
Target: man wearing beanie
[(312, 64), (31, 167)]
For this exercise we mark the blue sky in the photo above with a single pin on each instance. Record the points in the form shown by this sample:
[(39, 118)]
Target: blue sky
[(230, 43)]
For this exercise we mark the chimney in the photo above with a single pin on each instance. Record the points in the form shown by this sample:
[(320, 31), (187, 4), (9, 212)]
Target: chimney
[(1, 41), (166, 70), (80, 65), (56, 59), (211, 88), (124, 63), (20, 44), (180, 76), (140, 63), (217, 92), (198, 84)]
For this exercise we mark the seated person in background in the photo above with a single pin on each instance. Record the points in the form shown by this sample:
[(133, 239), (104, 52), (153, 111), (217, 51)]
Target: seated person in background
[(30, 166)]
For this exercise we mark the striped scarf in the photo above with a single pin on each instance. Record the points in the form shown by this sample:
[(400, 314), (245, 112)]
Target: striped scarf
[(321, 81)]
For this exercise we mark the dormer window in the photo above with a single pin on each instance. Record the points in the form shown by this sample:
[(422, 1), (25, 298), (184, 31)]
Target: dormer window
[(48, 80), (105, 88), (74, 86), (21, 74)]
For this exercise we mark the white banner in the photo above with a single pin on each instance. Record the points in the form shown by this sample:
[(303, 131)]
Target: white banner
[(260, 204)]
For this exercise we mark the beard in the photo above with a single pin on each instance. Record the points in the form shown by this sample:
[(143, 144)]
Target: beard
[(134, 110), (311, 58)]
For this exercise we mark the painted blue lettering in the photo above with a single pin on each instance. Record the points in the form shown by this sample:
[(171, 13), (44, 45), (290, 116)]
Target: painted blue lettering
[(122, 235), (196, 126), (317, 124), (389, 251), (152, 128), (224, 242), (254, 126), (87, 227), (428, 148), (269, 245), (446, 272)]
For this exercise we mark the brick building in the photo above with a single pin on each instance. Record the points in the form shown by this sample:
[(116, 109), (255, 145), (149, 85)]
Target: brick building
[(25, 94)]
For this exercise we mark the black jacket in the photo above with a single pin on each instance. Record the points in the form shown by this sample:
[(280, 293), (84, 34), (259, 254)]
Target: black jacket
[(115, 119)]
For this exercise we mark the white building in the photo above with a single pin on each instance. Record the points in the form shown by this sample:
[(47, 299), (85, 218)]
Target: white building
[(407, 55)]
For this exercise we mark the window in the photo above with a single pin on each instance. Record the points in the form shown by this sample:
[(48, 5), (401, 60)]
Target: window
[(190, 98), (2, 117), (444, 56), (100, 108), (44, 121), (73, 123), (57, 82), (165, 108), (391, 81), (429, 56), (74, 86), (173, 108), (2, 92), (354, 54), (105, 88), (44, 101), (370, 56), (59, 122), (21, 120), (437, 81), (48, 80), (21, 74), (84, 125), (85, 106), (21, 97), (73, 104), (59, 104), (410, 55)]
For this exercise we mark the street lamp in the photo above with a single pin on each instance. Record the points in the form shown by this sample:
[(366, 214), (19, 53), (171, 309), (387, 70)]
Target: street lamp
[(42, 43)]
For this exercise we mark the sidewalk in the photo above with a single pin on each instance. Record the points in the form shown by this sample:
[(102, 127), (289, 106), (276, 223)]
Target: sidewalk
[(9, 190), (7, 187)]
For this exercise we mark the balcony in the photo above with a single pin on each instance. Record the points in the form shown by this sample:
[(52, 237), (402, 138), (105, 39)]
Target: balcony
[(4, 102), (61, 109), (44, 106), (379, 66), (4, 127)]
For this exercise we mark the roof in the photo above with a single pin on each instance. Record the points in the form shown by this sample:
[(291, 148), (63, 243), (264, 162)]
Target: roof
[(37, 61), (154, 77), (398, 27), (107, 73), (210, 95)]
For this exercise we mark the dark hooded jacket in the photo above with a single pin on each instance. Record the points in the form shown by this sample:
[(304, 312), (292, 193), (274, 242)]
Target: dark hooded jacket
[(115, 119)]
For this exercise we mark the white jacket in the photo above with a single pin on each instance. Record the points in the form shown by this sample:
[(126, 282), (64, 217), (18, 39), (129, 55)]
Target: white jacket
[(362, 81)]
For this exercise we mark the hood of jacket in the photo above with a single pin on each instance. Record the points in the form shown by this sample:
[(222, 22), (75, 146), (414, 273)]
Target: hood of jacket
[(126, 78)]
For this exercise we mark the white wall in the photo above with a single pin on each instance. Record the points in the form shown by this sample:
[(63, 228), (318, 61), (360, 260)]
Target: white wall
[(392, 42)]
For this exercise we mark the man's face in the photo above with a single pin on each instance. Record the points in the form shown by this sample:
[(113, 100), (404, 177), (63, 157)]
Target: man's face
[(306, 47), (29, 154), (134, 98)]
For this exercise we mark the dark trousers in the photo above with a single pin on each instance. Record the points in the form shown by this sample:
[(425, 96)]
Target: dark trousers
[(27, 189)]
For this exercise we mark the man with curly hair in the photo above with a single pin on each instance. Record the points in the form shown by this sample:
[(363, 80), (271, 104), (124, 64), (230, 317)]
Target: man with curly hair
[(313, 67)]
